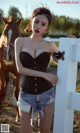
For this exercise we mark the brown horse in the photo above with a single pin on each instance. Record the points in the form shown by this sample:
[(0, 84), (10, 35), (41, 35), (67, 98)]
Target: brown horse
[(3, 79), (7, 60)]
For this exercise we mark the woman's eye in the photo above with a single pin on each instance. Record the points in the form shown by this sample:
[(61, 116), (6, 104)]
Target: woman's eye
[(43, 25), (36, 22)]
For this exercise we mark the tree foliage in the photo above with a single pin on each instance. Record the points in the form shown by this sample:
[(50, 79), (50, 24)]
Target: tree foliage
[(65, 24), (1, 14), (14, 12)]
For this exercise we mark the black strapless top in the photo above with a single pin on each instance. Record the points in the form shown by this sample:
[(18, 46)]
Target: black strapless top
[(35, 85)]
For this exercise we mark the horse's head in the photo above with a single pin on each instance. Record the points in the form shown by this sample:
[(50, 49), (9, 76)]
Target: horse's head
[(10, 31)]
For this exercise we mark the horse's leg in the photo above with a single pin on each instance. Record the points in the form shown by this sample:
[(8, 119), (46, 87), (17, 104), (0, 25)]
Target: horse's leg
[(2, 88), (4, 78), (0, 96), (16, 93), (0, 104)]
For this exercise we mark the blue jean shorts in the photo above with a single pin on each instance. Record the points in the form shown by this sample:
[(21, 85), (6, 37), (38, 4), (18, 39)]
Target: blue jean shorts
[(36, 102)]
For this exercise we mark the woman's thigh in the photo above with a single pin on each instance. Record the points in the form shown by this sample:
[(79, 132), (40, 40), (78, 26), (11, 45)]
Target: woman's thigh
[(45, 123), (25, 122)]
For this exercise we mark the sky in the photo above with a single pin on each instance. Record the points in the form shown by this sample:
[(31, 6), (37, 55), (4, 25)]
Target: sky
[(69, 8)]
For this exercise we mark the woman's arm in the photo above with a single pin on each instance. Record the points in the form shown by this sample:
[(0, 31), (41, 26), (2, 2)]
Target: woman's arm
[(54, 49), (26, 71), (57, 55)]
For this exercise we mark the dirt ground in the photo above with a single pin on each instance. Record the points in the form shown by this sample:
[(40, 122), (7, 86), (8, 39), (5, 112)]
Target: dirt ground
[(9, 113)]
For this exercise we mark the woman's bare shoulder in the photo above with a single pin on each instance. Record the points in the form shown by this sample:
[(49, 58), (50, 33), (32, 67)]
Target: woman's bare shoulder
[(21, 40), (52, 46)]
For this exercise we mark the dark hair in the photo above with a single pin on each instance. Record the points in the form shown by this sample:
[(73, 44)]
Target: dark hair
[(39, 11)]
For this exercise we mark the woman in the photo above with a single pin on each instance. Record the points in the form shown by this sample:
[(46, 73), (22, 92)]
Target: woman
[(32, 55)]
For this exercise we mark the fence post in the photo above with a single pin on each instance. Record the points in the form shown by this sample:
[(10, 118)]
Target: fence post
[(67, 71)]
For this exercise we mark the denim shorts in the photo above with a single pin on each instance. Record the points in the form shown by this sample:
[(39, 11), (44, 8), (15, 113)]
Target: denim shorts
[(37, 102)]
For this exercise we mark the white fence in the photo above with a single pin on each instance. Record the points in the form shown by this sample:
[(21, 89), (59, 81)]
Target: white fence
[(67, 99)]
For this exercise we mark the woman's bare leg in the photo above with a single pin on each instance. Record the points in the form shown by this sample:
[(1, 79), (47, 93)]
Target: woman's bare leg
[(25, 122), (45, 123)]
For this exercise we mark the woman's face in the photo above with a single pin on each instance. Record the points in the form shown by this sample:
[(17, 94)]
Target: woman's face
[(39, 24)]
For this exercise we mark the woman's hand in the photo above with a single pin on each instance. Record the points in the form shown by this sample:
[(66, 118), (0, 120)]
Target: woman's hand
[(52, 78), (71, 36)]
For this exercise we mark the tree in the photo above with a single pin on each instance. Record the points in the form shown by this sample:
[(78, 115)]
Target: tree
[(23, 24), (1, 23), (14, 12), (1, 14)]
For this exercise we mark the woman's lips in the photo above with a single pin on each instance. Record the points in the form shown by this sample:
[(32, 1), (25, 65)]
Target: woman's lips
[(37, 31)]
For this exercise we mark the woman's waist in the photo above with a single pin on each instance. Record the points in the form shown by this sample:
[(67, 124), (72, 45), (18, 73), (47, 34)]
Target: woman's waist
[(35, 85), (33, 92), (31, 80), (36, 88)]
